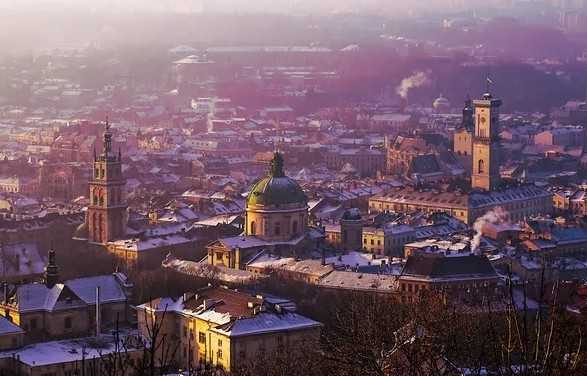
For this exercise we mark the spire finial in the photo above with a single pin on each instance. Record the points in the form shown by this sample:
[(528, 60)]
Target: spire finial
[(107, 138), (488, 83), (277, 165)]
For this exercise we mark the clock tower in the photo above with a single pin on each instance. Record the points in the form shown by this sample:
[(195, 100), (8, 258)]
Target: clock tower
[(486, 143), (106, 213)]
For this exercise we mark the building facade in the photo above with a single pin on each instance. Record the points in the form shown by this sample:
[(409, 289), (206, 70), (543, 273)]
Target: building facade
[(228, 329)]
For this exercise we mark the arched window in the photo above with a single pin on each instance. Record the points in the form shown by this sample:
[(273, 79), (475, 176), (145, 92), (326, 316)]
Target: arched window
[(277, 228), (481, 167), (99, 237), (253, 228), (94, 226), (294, 227)]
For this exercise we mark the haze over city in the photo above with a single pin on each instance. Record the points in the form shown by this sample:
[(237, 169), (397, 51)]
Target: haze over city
[(255, 187)]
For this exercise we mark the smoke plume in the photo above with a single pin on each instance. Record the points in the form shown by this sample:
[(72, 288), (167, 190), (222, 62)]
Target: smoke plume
[(416, 80), (496, 216)]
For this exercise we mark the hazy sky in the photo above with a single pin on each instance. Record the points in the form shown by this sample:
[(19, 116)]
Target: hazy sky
[(287, 6)]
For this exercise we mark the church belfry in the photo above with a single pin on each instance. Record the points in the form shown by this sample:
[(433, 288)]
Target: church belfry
[(486, 154), (107, 209)]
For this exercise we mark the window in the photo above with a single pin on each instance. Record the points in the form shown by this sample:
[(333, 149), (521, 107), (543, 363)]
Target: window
[(294, 227), (218, 255), (372, 242), (219, 353), (481, 166), (277, 228), (33, 324), (67, 323), (202, 337), (253, 228), (219, 343)]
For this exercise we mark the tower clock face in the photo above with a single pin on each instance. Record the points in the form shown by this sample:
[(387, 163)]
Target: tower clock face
[(483, 120)]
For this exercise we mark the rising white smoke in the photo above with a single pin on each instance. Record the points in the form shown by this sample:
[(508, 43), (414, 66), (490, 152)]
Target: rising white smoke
[(496, 216), (416, 80)]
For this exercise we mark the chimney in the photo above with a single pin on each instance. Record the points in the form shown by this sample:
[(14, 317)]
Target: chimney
[(323, 257), (97, 311), (51, 271)]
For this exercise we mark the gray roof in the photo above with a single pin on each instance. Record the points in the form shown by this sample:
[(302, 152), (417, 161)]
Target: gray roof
[(449, 267)]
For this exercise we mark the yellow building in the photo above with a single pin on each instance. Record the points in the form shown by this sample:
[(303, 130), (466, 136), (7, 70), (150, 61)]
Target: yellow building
[(463, 142), (226, 328), (463, 136), (389, 240)]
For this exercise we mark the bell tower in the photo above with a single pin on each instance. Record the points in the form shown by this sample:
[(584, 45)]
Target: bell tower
[(486, 154), (107, 209)]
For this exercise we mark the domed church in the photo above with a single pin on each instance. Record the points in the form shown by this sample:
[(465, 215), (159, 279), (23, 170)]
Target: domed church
[(276, 221), (277, 207)]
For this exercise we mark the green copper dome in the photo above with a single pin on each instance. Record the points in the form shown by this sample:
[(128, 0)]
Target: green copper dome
[(276, 189)]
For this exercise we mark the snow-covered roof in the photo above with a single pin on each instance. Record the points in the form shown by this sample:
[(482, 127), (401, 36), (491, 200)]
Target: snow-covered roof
[(359, 281), (268, 323), (37, 297), (205, 270), (85, 288), (67, 351), (21, 259)]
